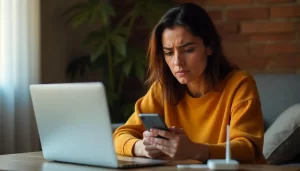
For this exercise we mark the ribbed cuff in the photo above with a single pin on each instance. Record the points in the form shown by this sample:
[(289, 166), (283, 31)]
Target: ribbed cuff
[(128, 147), (217, 151)]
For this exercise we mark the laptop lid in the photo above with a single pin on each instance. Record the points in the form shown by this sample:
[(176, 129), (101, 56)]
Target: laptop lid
[(74, 125)]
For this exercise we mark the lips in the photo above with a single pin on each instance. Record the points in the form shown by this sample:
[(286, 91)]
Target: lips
[(182, 72)]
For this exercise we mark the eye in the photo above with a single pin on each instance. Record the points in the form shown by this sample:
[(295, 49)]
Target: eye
[(169, 53), (189, 50)]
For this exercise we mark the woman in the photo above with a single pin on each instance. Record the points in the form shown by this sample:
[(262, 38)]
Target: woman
[(197, 92)]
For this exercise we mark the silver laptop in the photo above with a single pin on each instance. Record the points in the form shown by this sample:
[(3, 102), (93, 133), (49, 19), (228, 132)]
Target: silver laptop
[(74, 125)]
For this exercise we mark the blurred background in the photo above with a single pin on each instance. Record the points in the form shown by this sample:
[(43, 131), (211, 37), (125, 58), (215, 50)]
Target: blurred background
[(261, 36), (63, 41)]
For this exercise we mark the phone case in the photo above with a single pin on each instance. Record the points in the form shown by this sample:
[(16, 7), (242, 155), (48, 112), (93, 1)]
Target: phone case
[(153, 121)]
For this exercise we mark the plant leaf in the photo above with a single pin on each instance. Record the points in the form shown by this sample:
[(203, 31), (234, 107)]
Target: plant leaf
[(79, 18), (98, 51), (94, 37), (100, 62), (140, 72), (118, 43), (157, 7), (93, 16), (119, 58), (127, 67), (104, 12), (76, 65), (112, 96), (123, 31), (138, 55), (104, 20), (109, 10)]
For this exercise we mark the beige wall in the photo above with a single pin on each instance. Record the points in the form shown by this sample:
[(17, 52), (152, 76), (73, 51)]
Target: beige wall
[(59, 42)]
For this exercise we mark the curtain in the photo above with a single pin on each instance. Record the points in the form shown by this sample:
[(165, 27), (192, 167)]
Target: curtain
[(19, 67)]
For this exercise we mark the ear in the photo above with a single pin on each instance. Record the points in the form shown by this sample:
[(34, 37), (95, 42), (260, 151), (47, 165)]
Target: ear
[(209, 51)]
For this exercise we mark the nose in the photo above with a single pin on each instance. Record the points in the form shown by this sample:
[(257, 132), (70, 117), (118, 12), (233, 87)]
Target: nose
[(177, 60)]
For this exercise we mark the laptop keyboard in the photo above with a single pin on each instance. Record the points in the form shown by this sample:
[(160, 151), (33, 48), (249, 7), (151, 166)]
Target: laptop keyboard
[(126, 162), (136, 161)]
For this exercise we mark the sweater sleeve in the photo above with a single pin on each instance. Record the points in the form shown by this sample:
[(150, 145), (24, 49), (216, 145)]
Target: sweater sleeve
[(246, 126), (127, 135)]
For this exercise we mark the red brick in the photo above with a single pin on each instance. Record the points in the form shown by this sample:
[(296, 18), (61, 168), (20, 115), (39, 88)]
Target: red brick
[(285, 11), (227, 28), (273, 1), (272, 37), (235, 50), (215, 2), (215, 15), (227, 2), (235, 38), (254, 63), (269, 27), (274, 49), (282, 64), (248, 13)]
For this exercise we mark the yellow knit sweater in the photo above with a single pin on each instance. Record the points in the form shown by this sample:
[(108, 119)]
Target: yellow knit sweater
[(235, 102)]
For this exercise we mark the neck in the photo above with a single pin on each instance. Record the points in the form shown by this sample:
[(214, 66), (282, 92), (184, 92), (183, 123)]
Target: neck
[(197, 88)]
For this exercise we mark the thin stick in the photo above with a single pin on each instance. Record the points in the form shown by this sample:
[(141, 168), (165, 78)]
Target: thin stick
[(228, 144)]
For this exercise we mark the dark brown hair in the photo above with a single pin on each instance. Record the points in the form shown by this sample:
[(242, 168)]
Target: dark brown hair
[(198, 22)]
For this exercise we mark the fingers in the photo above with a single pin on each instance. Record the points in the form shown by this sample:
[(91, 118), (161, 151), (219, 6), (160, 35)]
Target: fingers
[(177, 130), (164, 149), (166, 134), (152, 144), (146, 141), (150, 148), (147, 134), (148, 145), (159, 141), (154, 153), (157, 146)]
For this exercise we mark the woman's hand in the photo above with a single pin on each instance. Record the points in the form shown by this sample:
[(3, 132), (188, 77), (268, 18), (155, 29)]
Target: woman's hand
[(178, 146), (144, 148)]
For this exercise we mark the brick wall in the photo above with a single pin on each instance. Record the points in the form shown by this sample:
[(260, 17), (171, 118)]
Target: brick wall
[(258, 35)]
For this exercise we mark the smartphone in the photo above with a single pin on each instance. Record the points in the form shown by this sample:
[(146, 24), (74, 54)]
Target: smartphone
[(153, 121)]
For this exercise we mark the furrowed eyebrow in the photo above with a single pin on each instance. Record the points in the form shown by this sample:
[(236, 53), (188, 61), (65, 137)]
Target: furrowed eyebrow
[(181, 46)]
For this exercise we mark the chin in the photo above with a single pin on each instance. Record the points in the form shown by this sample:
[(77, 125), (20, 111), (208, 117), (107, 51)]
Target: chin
[(183, 81)]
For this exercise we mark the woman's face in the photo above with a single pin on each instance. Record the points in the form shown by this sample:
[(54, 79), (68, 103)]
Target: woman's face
[(185, 54)]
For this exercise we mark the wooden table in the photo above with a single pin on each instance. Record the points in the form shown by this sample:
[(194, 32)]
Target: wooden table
[(35, 162)]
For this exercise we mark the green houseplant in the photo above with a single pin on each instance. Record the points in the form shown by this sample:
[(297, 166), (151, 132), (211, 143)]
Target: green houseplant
[(110, 47)]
